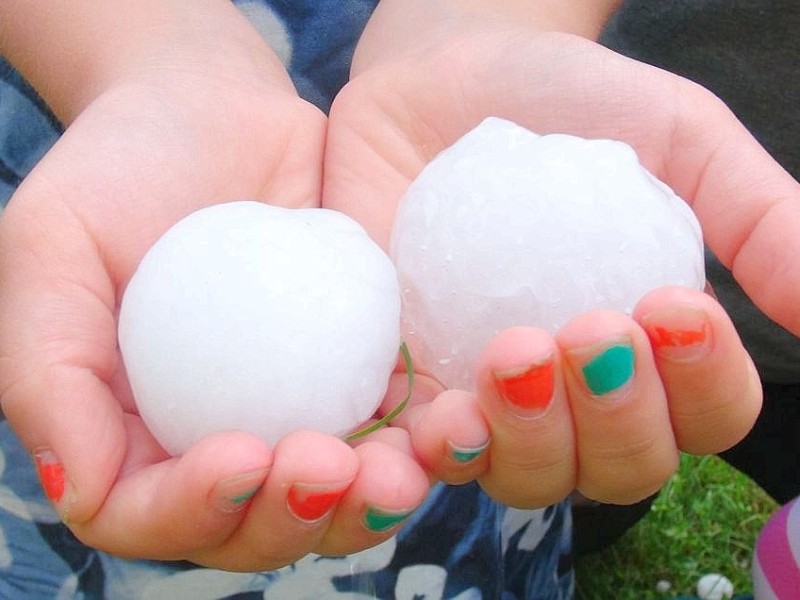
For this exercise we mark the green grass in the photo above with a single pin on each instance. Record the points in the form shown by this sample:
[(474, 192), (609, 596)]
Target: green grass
[(705, 520)]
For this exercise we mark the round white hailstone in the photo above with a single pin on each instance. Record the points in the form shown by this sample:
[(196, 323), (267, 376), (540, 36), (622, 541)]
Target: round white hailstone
[(663, 586), (250, 317), (510, 228), (714, 587)]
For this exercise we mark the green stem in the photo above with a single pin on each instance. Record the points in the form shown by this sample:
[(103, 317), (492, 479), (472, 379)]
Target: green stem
[(397, 409)]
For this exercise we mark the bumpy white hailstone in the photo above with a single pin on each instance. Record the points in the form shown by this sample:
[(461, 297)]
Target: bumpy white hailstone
[(714, 587), (250, 317), (510, 228)]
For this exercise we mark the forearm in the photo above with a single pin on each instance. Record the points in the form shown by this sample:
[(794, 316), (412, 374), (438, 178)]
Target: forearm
[(72, 51), (398, 25)]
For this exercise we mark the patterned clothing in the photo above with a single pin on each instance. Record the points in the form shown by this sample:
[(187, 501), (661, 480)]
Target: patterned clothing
[(459, 544)]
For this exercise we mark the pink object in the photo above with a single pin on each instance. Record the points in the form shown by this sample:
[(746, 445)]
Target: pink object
[(776, 567)]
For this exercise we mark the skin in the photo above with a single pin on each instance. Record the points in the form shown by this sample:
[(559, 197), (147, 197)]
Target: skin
[(166, 126), (415, 92), (167, 130)]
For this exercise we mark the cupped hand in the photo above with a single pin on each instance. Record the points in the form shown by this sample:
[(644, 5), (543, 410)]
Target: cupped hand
[(602, 407), (144, 153), (401, 108)]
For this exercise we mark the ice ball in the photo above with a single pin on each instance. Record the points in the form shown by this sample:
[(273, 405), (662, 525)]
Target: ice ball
[(508, 228), (714, 586), (245, 316)]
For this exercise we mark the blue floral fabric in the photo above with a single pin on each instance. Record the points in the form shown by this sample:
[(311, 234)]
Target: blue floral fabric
[(459, 545)]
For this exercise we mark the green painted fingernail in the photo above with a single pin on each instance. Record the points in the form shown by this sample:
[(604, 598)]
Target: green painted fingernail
[(609, 370), (232, 494), (464, 455), (380, 520)]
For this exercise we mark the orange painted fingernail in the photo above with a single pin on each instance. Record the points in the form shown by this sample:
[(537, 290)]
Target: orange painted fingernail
[(51, 474), (311, 503), (680, 334), (528, 391)]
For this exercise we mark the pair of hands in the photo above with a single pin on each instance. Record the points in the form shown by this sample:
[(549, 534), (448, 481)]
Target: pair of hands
[(156, 146)]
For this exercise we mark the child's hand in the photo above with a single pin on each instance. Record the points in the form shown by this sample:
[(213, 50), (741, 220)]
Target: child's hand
[(144, 153), (681, 380), (403, 107)]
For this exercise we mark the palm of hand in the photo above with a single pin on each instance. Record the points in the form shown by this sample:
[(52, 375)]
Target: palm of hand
[(64, 250), (393, 117), (73, 235)]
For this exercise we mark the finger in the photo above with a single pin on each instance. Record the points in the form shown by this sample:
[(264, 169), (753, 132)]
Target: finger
[(289, 515), (451, 437), (65, 414), (389, 486), (521, 393), (713, 389), (77, 447), (396, 437), (173, 508), (748, 204), (626, 449), (424, 389), (404, 392)]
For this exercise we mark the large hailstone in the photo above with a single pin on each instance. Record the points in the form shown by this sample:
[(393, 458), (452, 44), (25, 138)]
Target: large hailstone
[(250, 317), (509, 228)]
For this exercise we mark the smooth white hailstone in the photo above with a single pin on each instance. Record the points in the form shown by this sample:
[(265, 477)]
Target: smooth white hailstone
[(250, 317), (714, 586), (510, 228)]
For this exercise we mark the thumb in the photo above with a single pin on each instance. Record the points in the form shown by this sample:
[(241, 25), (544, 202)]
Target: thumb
[(748, 205), (57, 355)]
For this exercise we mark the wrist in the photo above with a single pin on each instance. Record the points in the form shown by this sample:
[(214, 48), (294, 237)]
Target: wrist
[(398, 26), (73, 52)]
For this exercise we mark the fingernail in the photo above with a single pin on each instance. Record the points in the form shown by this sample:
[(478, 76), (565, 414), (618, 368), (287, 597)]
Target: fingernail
[(378, 520), (527, 391), (681, 334), (608, 368), (311, 503), (463, 454), (51, 474), (233, 494)]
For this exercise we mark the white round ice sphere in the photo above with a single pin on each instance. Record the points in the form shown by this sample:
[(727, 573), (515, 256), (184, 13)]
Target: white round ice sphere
[(663, 586), (714, 587), (510, 228), (250, 317)]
